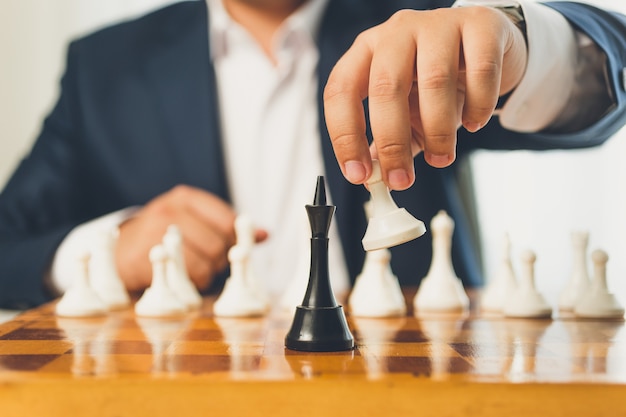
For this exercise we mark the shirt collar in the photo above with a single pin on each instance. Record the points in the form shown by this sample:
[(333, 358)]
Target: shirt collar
[(304, 22)]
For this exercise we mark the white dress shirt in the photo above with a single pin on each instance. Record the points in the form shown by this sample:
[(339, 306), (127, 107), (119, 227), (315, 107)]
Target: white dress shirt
[(271, 140)]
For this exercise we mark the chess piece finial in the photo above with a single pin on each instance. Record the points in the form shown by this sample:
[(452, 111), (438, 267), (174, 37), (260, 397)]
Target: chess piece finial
[(526, 301), (598, 302), (441, 291), (389, 225), (319, 324)]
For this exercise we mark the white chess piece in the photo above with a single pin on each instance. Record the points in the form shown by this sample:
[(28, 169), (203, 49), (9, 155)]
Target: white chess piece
[(237, 298), (578, 284), (80, 300), (598, 302), (441, 290), (176, 272), (389, 225), (376, 291), (504, 281), (103, 272), (525, 300), (293, 296), (159, 300), (244, 231)]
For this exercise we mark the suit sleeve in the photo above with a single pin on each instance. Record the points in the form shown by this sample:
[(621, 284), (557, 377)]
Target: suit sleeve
[(40, 204), (608, 31)]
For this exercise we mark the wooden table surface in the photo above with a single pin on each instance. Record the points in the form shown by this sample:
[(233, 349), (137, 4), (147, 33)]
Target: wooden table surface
[(123, 365)]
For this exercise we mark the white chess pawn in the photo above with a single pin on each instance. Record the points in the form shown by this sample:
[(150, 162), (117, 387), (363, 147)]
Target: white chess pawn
[(598, 302), (376, 291), (176, 272), (80, 300), (159, 300), (244, 231), (525, 300), (441, 290), (389, 225), (103, 272), (237, 298), (578, 284), (504, 281)]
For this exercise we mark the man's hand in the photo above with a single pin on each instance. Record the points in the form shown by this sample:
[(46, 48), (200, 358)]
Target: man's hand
[(207, 227), (425, 73)]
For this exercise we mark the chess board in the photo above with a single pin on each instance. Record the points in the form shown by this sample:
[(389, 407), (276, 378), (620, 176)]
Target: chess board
[(454, 365)]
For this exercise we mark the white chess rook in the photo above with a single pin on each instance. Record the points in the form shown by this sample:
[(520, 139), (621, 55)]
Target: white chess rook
[(526, 301), (103, 272), (578, 284), (598, 302), (389, 225), (159, 300), (176, 270), (503, 283), (80, 300), (441, 291)]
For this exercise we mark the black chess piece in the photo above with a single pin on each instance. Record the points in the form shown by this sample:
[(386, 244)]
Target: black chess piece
[(319, 324)]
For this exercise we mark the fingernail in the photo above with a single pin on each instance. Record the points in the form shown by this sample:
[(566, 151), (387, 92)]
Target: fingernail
[(439, 161), (355, 172), (472, 127), (398, 179)]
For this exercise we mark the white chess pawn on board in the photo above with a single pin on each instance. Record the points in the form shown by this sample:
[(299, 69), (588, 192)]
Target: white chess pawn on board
[(389, 225), (176, 271), (103, 272), (598, 302), (441, 290), (159, 300), (80, 300), (578, 284), (237, 298), (376, 291), (526, 301), (244, 231), (496, 293)]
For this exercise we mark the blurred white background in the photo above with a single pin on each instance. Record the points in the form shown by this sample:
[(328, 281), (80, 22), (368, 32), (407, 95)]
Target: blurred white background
[(539, 198)]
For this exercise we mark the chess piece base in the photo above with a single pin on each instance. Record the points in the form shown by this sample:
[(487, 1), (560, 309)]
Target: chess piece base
[(319, 329)]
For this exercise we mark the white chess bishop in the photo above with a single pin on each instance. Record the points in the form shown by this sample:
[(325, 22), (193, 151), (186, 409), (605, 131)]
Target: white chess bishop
[(176, 271), (503, 283), (578, 284), (80, 300), (441, 291), (598, 302), (389, 225), (526, 301), (159, 300), (376, 291)]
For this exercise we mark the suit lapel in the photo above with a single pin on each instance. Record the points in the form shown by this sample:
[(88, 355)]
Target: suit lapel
[(183, 79)]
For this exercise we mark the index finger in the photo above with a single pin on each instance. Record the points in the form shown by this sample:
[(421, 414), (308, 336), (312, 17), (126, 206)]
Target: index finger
[(344, 113)]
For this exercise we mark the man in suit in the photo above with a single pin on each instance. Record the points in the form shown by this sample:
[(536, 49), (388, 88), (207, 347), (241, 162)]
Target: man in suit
[(158, 123)]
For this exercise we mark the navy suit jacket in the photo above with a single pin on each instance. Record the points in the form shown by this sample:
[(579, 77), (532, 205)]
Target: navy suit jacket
[(138, 115)]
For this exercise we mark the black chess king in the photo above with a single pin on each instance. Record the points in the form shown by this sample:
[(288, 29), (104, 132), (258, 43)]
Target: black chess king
[(319, 324)]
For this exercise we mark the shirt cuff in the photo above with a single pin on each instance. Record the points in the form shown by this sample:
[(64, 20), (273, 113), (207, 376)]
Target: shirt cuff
[(76, 241), (545, 89), (546, 86)]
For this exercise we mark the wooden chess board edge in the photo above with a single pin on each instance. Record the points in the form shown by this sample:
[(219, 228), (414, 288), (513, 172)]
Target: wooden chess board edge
[(193, 396)]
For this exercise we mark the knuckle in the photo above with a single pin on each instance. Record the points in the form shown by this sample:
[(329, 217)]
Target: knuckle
[(385, 86), (439, 143), (437, 78), (402, 17), (391, 150)]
